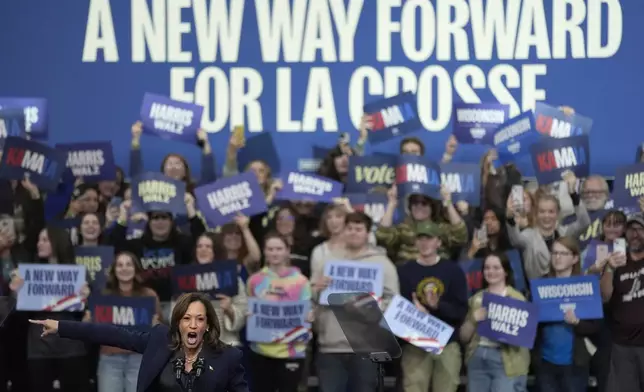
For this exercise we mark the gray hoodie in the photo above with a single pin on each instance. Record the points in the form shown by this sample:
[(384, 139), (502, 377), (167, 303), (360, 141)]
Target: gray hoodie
[(331, 339)]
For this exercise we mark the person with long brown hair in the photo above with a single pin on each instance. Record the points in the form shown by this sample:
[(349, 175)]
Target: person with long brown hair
[(562, 359), (187, 355)]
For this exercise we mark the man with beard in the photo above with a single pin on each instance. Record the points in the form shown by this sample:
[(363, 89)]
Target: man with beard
[(622, 290)]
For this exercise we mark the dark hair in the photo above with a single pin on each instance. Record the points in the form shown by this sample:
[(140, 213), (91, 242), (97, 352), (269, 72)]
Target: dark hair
[(216, 246), (190, 186), (112, 283), (572, 245), (213, 331), (327, 167), (228, 229), (505, 263), (101, 223), (360, 218), (62, 249), (615, 217), (413, 140), (503, 239), (275, 235)]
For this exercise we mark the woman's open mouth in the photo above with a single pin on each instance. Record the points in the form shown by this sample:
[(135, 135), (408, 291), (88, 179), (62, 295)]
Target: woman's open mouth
[(191, 338)]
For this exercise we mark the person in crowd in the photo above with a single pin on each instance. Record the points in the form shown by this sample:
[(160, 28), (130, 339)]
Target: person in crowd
[(525, 215), (412, 146), (493, 366), (622, 290), (118, 369), (562, 358), (300, 239), (536, 241), (595, 193), (278, 366), (89, 231), (173, 165), (54, 359), (238, 243), (189, 348), (84, 200), (497, 236), (332, 230), (231, 311), (438, 287), (161, 247), (108, 189), (337, 368), (22, 200), (399, 240)]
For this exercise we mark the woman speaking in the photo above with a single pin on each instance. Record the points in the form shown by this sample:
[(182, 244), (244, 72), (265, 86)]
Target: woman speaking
[(188, 356)]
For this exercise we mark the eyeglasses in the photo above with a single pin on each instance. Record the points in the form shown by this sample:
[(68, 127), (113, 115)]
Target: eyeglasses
[(160, 217), (557, 254)]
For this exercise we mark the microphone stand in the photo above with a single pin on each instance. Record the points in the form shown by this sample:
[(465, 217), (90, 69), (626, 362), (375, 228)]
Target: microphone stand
[(380, 358)]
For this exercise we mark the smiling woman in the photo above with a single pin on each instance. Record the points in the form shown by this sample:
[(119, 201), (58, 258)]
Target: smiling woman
[(188, 354)]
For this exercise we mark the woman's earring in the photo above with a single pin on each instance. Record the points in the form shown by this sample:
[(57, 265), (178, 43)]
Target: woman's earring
[(207, 329)]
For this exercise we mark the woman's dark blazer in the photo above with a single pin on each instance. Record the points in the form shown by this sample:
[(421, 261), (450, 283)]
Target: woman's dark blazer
[(223, 371)]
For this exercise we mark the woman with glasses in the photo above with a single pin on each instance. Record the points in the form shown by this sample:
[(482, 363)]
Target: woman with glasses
[(562, 359)]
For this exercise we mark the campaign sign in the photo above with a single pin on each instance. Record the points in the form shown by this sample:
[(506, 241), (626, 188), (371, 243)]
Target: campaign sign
[(125, 311), (373, 205), (463, 180), (628, 186), (12, 123), (552, 157), (418, 328), (218, 277), (353, 277), (554, 296), (172, 120), (51, 287), (514, 138), (221, 201), (135, 229), (309, 187), (596, 250), (91, 161), (551, 121), (35, 111), (418, 175), (278, 322), (97, 260), (593, 231), (473, 270), (391, 117), (510, 321), (474, 123), (158, 192), (369, 173), (42, 164)]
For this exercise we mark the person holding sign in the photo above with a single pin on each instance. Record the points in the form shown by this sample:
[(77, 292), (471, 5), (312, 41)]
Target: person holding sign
[(118, 369), (420, 209), (187, 356), (438, 287), (493, 366), (622, 290), (278, 366), (174, 165), (563, 358), (231, 311), (535, 241), (239, 244)]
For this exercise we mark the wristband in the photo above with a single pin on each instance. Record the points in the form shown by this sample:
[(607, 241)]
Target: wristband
[(446, 203)]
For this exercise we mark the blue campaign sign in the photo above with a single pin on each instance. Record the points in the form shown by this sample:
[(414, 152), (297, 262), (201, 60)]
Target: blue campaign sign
[(51, 287), (97, 261), (12, 123), (513, 138), (510, 321), (628, 186), (463, 180), (418, 175), (391, 117), (369, 173), (554, 296), (372, 204), (303, 70), (157, 192), (91, 161), (352, 277), (224, 199), (172, 120), (309, 187), (125, 311), (218, 277), (35, 114), (27, 158), (278, 322), (418, 328), (552, 157), (474, 123), (551, 121), (473, 270)]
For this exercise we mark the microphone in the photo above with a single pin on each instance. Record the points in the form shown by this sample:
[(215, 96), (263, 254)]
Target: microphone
[(178, 367), (199, 365)]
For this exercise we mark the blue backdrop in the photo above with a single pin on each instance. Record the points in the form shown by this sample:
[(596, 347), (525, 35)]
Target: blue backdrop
[(94, 60)]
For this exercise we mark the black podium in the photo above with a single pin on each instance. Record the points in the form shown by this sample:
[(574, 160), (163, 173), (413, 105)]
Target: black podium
[(366, 330), (7, 305)]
